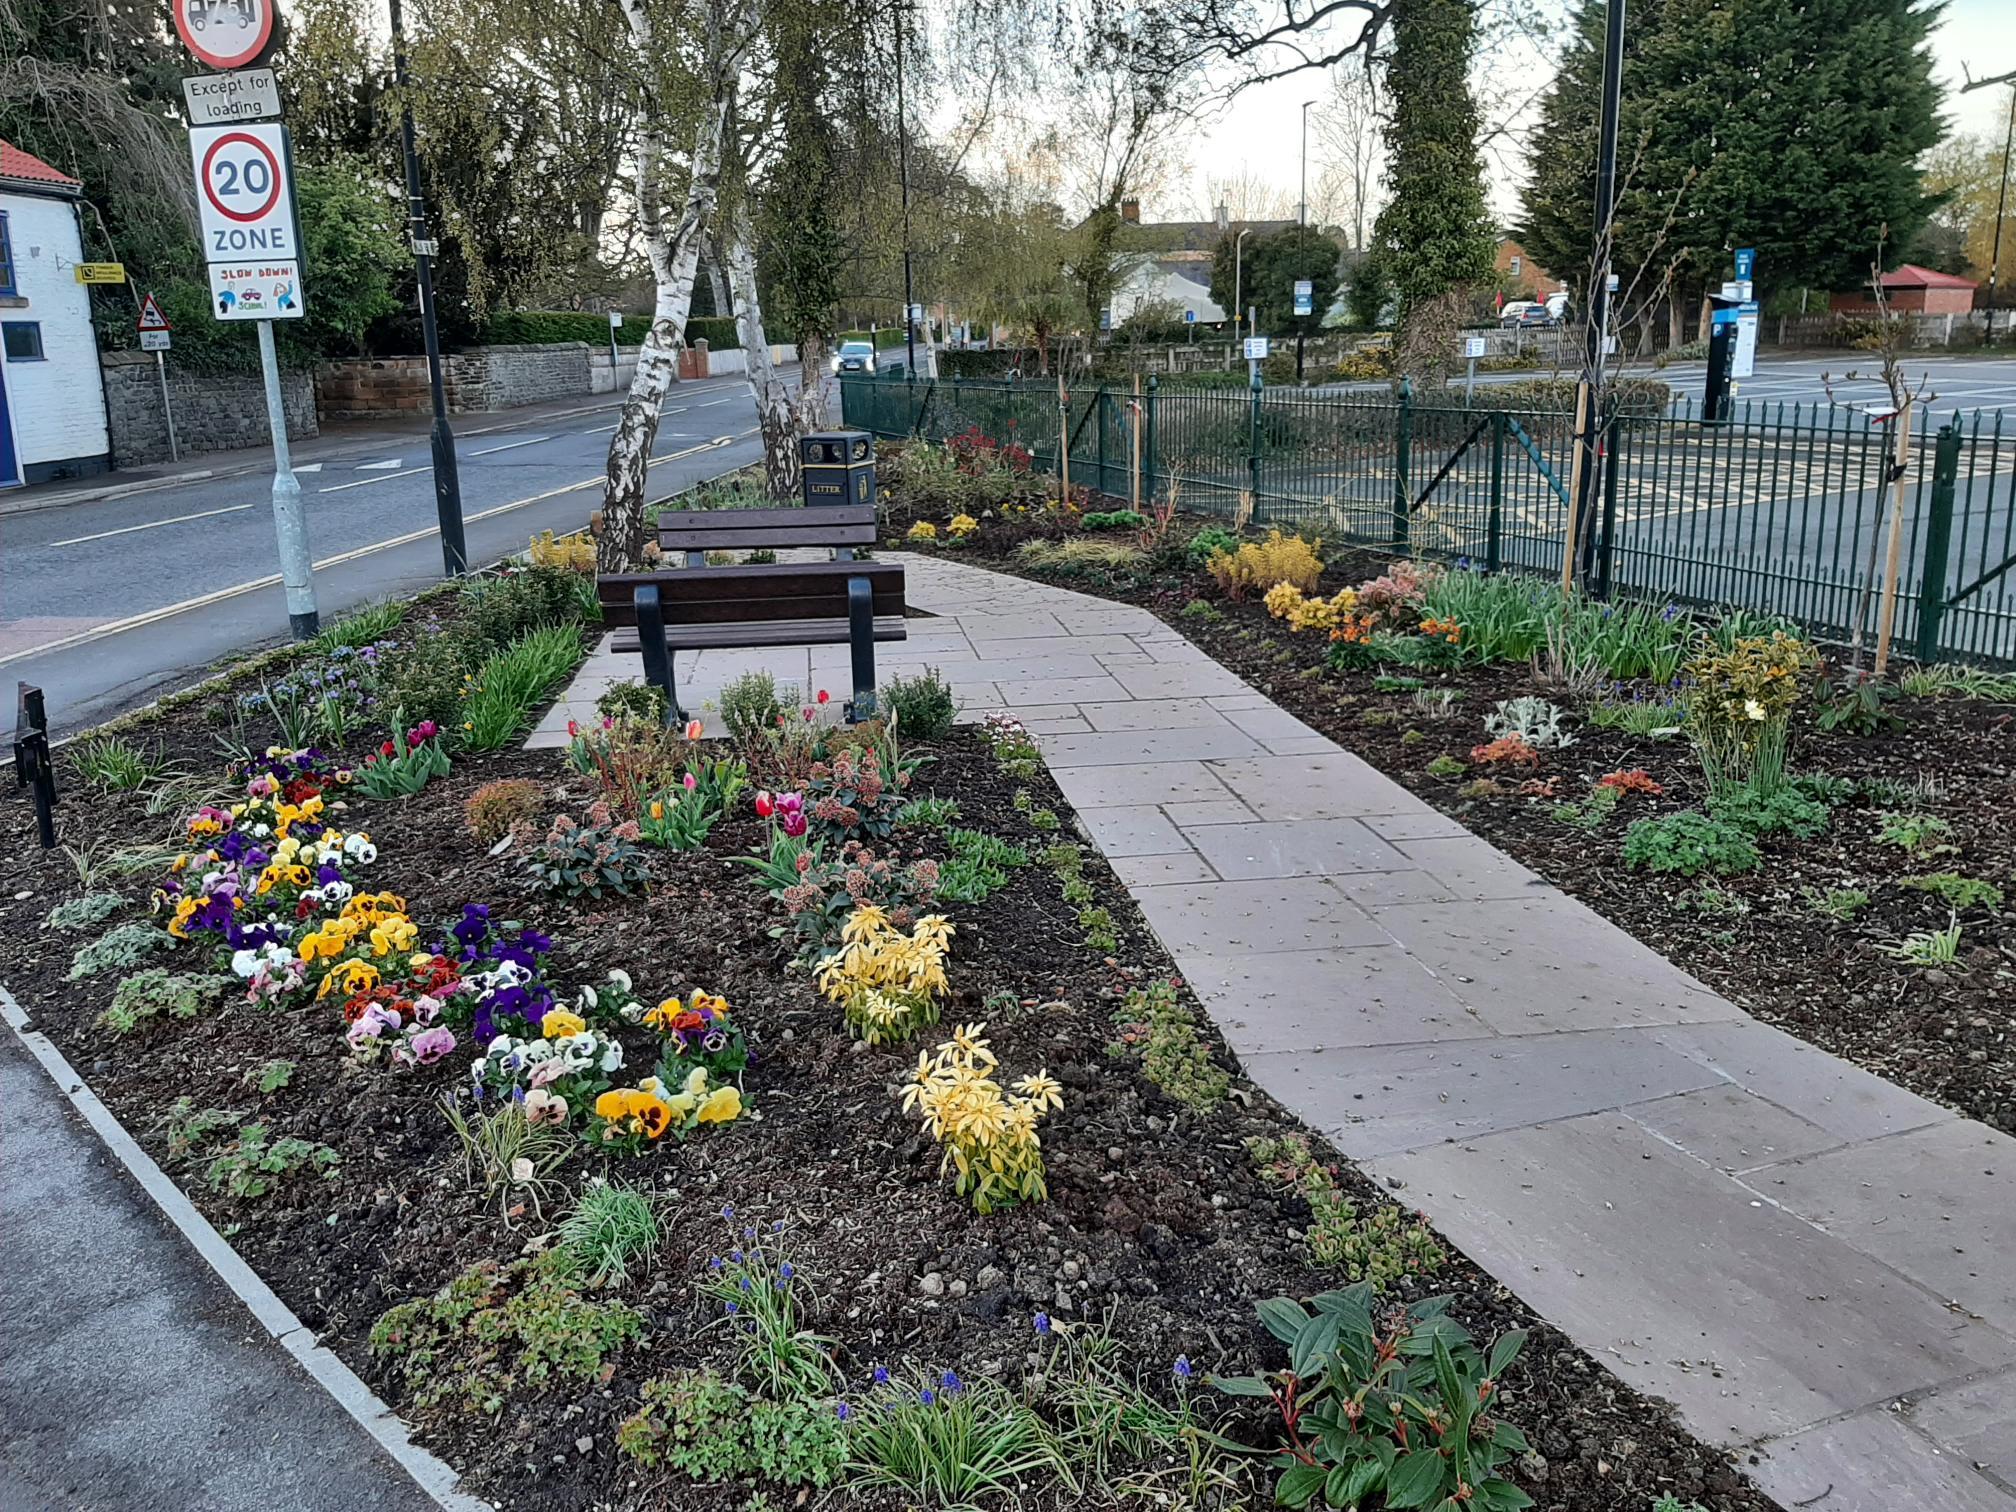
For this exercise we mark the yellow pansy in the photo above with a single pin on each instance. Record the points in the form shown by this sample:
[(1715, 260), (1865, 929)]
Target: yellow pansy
[(559, 1024)]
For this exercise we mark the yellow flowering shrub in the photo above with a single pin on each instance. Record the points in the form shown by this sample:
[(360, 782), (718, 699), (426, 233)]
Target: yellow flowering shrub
[(962, 525), (1287, 602), (923, 530), (1258, 565), (1739, 709), (888, 983), (988, 1133), (571, 553)]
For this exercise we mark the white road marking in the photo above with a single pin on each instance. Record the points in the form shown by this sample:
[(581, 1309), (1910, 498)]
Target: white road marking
[(381, 478), (150, 525), (309, 467), (730, 399), (377, 466), (168, 611), (528, 441)]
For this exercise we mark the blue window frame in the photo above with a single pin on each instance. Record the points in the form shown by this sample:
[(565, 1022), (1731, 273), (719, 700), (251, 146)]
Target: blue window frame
[(6, 258), (23, 340)]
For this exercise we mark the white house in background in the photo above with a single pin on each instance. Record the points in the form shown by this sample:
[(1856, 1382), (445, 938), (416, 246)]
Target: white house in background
[(52, 396), (1175, 273)]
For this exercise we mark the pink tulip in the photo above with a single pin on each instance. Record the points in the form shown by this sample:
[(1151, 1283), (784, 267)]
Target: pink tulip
[(692, 782)]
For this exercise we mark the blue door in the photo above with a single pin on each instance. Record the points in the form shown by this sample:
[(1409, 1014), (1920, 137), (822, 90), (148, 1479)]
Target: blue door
[(10, 470)]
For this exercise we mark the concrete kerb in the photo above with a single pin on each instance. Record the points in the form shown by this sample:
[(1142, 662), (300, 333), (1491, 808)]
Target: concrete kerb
[(432, 1475)]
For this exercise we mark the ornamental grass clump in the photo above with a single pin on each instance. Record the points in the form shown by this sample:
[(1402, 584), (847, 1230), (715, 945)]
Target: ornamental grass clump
[(1739, 712), (988, 1133), (888, 982)]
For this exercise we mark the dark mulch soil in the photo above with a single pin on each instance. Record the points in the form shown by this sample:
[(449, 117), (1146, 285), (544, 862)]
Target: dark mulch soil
[(1157, 1215), (1948, 1034)]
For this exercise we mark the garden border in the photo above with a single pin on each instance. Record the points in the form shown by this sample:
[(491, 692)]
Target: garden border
[(434, 1476)]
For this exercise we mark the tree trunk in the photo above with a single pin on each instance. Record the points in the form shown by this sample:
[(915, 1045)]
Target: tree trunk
[(717, 281), (674, 253), (775, 414), (1676, 318)]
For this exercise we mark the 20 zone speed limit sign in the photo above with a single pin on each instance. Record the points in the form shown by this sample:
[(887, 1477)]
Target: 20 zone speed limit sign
[(244, 191)]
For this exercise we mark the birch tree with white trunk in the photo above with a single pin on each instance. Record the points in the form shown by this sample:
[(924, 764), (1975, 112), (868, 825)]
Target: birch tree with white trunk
[(671, 244)]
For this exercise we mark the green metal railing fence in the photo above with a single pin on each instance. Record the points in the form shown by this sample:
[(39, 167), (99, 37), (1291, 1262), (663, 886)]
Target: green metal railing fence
[(1777, 508)]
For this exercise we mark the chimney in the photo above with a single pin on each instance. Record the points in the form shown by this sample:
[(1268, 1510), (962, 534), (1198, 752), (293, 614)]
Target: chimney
[(1224, 217), (1130, 211)]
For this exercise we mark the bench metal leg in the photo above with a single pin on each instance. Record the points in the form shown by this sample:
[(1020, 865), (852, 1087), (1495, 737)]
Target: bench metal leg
[(861, 641), (651, 640)]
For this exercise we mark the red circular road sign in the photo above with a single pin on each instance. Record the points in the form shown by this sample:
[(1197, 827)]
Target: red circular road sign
[(252, 181), (225, 34)]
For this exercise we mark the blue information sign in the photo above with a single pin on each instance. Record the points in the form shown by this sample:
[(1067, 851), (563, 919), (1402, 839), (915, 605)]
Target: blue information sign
[(1746, 263)]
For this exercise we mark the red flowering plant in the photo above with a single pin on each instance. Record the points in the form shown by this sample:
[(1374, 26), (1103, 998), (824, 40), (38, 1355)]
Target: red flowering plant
[(1506, 750), (400, 768), (1635, 780), (821, 894), (857, 794)]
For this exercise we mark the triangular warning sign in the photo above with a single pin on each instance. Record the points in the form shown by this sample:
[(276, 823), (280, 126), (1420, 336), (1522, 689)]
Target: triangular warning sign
[(151, 318)]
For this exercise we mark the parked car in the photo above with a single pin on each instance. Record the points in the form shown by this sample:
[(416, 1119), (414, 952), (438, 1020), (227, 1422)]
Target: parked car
[(854, 357), (1557, 307), (1524, 314)]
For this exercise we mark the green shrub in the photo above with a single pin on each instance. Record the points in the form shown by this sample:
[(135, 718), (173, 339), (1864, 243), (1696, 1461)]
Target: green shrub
[(1690, 843), (1154, 1023), (610, 1229), (1786, 811), (631, 699), (978, 865), (113, 764), (497, 807), (82, 913), (1956, 891), (1919, 834), (122, 949), (153, 992), (1841, 903), (1114, 519), (590, 860), (1381, 1248), (712, 1429), (1207, 542), (923, 705), (257, 1164), (750, 708), (493, 1327)]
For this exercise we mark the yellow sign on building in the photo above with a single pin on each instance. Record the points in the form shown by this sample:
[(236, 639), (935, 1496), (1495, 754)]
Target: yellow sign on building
[(101, 273)]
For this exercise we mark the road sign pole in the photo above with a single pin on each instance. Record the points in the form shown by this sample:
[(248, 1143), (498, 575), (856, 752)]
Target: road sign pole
[(167, 408), (447, 480), (289, 520)]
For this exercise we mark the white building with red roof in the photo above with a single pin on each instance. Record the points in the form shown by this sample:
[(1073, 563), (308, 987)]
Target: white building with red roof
[(52, 395)]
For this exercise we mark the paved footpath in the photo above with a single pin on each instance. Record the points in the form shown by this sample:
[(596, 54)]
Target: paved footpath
[(1804, 1258)]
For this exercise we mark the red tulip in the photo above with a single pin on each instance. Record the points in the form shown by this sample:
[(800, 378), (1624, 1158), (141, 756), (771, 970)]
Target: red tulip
[(824, 696), (765, 805)]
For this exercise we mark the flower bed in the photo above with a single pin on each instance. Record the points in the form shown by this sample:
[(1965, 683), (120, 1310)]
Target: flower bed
[(732, 1169), (1830, 910)]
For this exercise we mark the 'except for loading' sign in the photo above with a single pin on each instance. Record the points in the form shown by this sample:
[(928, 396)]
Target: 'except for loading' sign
[(256, 291), (244, 194)]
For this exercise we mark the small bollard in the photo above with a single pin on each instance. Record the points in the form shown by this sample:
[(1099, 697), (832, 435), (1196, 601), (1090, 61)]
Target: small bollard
[(32, 764)]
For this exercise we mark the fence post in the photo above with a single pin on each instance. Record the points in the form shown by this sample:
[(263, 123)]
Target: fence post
[(1152, 467), (1938, 540), (1494, 522), (1100, 400), (1403, 446), (1253, 439), (1610, 475)]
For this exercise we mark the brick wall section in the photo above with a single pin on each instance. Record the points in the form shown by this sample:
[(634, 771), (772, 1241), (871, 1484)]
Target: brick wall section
[(482, 378), (213, 411)]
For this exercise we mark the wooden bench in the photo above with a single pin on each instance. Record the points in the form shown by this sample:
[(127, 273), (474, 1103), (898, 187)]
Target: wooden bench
[(702, 608)]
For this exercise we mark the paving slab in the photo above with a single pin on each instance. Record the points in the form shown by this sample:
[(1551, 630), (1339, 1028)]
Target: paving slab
[(1125, 747), (1732, 1129), (1395, 1096), (1043, 690), (1470, 868), (1872, 1462), (1210, 811), (1155, 714), (1304, 1000), (1974, 1420), (1329, 784), (1545, 964), (1182, 866), (1134, 829), (1179, 680), (1936, 1204), (1312, 848), (1753, 1322), (1146, 782), (1248, 918)]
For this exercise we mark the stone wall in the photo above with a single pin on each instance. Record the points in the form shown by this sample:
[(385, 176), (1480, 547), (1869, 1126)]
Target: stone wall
[(213, 411), (371, 388), (481, 378)]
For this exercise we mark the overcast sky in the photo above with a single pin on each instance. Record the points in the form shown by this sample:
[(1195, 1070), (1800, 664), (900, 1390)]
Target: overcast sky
[(1261, 132)]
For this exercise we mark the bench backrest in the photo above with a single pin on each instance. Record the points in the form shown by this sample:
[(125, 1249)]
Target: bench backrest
[(699, 531), (729, 595)]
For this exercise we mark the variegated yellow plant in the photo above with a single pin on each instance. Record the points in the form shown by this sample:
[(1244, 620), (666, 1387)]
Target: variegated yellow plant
[(888, 982), (988, 1133)]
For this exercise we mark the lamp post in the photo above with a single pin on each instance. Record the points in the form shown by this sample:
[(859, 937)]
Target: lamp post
[(2001, 204), (1239, 275), (447, 482), (903, 170), (1303, 215)]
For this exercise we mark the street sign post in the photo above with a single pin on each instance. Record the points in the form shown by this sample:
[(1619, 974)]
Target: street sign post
[(232, 99), (226, 34), (1257, 347), (252, 244), (153, 328), (1473, 348), (1305, 296), (101, 273)]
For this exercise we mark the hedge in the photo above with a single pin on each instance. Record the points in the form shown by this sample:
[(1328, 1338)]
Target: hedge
[(550, 327)]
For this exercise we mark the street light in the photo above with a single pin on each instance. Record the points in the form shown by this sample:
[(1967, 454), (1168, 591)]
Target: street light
[(1238, 275), (1304, 214), (2001, 205), (903, 162)]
